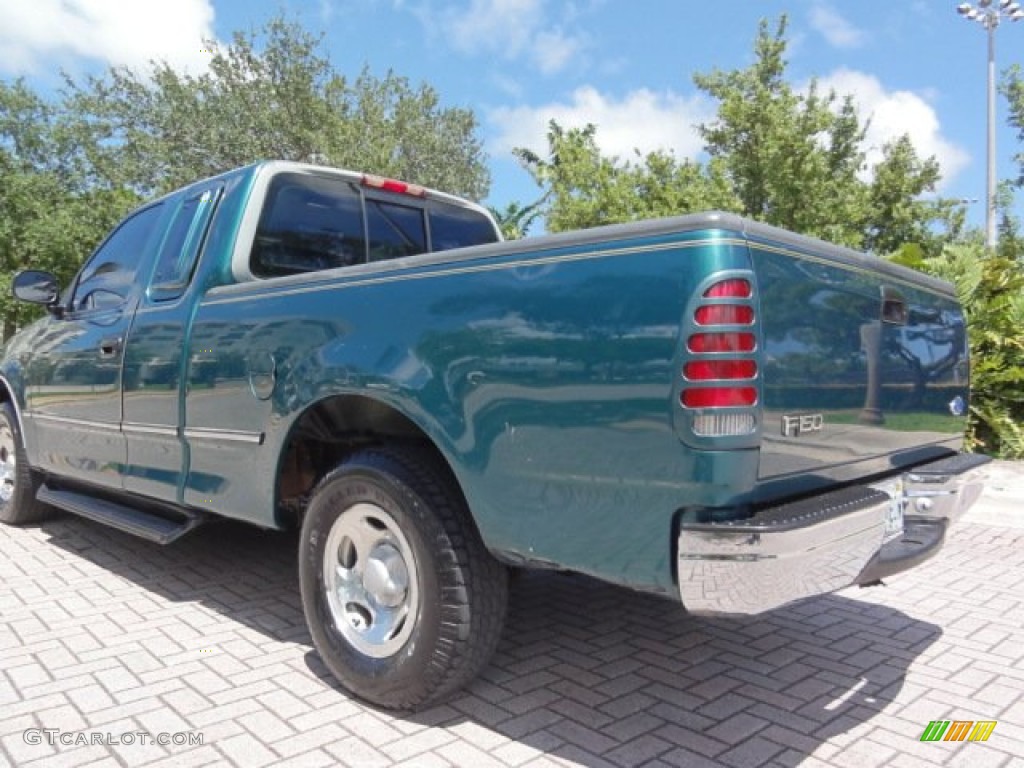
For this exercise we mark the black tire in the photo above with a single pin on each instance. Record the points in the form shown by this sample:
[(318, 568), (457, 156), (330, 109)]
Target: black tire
[(18, 484), (450, 609)]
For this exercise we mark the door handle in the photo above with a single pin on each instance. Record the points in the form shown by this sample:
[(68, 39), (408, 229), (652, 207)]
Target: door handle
[(111, 346)]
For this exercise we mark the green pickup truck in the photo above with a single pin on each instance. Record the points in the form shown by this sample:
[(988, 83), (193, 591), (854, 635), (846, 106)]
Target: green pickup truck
[(701, 407)]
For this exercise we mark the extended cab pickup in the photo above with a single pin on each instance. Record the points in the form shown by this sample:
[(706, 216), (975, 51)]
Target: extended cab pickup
[(702, 406)]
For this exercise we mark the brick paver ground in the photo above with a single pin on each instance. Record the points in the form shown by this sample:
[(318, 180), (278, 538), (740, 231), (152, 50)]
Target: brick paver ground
[(103, 635)]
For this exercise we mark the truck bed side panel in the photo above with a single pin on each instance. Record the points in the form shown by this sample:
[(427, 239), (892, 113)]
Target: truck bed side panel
[(545, 377)]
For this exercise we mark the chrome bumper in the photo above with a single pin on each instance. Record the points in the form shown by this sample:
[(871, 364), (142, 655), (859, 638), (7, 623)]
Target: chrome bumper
[(855, 535)]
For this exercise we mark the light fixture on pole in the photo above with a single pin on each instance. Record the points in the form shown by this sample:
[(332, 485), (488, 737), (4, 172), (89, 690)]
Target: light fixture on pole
[(989, 13)]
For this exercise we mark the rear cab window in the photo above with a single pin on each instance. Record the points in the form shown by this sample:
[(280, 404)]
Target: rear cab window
[(313, 221), (395, 230), (453, 226), (308, 223)]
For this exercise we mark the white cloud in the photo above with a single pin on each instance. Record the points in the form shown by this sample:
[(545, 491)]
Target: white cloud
[(514, 30), (642, 119), (839, 32), (552, 51), (129, 33), (495, 25), (894, 113)]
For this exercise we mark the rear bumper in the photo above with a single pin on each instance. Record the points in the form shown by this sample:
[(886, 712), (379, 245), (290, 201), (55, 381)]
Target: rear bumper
[(855, 535)]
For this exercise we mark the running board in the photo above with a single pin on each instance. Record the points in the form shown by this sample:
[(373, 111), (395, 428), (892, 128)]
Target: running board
[(145, 525)]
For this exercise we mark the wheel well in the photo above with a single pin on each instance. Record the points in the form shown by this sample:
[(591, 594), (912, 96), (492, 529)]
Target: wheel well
[(329, 431)]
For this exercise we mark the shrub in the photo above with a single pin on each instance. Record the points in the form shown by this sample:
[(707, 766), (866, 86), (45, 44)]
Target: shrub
[(991, 290)]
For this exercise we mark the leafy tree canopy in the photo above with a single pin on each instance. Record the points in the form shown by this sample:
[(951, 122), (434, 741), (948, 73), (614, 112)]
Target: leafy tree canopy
[(71, 168), (780, 155), (1013, 88), (583, 188), (991, 290), (273, 95), (49, 217)]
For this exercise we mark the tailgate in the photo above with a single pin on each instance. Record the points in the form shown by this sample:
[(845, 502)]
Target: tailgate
[(864, 363)]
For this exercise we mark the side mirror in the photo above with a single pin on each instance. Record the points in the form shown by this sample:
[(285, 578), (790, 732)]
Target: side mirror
[(36, 287)]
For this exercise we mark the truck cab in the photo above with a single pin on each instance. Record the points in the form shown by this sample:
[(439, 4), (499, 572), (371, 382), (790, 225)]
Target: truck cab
[(104, 394)]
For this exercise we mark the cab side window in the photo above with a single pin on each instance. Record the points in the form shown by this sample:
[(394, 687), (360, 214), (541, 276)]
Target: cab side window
[(180, 249), (108, 279), (308, 223)]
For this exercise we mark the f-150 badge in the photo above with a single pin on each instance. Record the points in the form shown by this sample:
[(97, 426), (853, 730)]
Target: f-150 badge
[(796, 424)]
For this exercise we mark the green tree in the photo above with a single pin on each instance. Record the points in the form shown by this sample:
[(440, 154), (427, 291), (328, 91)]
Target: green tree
[(796, 159), (896, 213), (49, 217), (1013, 88), (273, 95), (71, 168), (515, 219), (585, 188), (1010, 244), (991, 289), (792, 158)]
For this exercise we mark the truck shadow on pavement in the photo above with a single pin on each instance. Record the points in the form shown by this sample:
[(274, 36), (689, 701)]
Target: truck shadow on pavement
[(585, 672), (594, 672)]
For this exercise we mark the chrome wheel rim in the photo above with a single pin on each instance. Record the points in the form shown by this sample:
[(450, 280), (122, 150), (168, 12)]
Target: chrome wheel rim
[(8, 463), (370, 580)]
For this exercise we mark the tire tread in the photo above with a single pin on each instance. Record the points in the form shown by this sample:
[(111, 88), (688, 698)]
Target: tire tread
[(474, 585)]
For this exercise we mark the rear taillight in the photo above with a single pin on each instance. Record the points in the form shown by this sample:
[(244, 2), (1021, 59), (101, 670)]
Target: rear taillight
[(720, 397), (721, 342), (720, 373), (730, 289), (724, 314), (705, 370)]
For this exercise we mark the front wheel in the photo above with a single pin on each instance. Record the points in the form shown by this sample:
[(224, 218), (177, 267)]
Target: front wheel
[(18, 484), (403, 601)]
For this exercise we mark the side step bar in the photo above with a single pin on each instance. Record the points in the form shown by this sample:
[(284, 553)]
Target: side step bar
[(138, 522)]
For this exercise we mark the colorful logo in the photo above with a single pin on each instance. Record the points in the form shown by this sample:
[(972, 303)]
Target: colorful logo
[(958, 730)]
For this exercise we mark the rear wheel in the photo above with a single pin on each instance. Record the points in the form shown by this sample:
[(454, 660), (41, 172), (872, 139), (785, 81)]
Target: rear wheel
[(18, 484), (403, 601)]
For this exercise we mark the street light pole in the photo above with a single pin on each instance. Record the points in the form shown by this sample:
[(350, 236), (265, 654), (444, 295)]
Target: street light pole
[(990, 177), (989, 13)]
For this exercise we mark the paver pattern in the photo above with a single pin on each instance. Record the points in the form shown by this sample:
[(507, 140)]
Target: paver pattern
[(105, 635)]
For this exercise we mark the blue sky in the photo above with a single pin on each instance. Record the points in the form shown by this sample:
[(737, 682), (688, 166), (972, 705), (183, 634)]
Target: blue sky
[(914, 66)]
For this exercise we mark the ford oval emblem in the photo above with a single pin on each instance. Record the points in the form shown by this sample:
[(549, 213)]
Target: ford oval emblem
[(957, 406)]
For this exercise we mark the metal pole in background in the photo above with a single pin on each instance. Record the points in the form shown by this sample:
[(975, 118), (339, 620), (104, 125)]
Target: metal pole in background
[(990, 188), (989, 13)]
